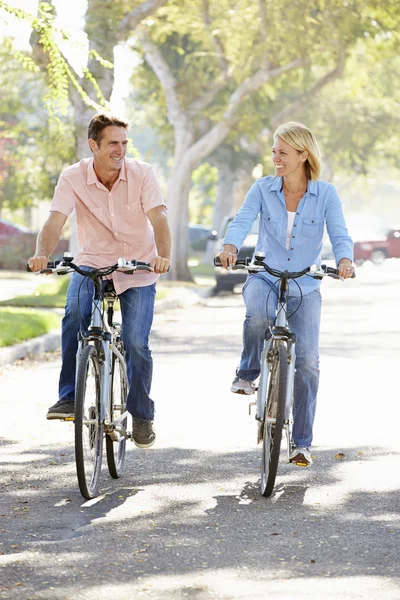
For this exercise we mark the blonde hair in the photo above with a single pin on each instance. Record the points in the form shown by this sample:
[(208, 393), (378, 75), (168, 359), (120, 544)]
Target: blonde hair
[(300, 138)]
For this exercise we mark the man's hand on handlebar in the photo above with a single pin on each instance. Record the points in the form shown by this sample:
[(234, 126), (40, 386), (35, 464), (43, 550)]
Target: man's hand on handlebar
[(228, 256), (38, 263), (160, 264)]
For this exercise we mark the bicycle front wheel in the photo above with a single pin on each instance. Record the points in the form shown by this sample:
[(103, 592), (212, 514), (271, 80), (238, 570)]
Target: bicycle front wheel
[(115, 440), (274, 416), (88, 428)]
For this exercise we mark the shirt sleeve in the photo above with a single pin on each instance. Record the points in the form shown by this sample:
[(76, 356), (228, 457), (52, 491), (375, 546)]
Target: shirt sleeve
[(64, 197), (342, 244), (245, 217), (151, 195)]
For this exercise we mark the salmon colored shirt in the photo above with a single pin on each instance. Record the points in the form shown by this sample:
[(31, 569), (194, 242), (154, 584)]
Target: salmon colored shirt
[(112, 224)]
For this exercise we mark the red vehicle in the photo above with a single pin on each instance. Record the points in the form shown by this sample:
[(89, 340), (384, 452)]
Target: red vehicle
[(17, 244), (379, 249)]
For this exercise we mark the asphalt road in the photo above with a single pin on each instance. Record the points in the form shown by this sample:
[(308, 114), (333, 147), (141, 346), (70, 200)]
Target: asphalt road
[(186, 520)]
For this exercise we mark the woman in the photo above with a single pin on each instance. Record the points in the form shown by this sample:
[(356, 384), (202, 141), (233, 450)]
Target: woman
[(293, 207)]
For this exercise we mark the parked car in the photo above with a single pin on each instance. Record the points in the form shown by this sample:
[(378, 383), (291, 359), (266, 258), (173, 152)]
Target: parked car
[(17, 244), (378, 249), (199, 235), (227, 280)]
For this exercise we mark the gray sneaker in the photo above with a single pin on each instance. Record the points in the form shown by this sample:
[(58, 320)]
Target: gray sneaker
[(241, 386), (301, 457), (63, 409), (143, 434)]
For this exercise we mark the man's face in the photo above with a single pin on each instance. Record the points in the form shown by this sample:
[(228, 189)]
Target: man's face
[(110, 152)]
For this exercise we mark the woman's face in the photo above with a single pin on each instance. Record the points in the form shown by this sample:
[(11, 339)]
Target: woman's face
[(287, 160)]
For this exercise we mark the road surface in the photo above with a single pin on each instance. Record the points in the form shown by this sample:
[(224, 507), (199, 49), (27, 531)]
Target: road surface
[(186, 520)]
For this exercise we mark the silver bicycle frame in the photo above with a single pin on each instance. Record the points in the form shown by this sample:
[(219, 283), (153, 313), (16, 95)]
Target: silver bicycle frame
[(280, 321), (108, 348)]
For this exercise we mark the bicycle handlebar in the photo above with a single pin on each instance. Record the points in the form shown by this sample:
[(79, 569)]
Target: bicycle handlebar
[(62, 267), (316, 271)]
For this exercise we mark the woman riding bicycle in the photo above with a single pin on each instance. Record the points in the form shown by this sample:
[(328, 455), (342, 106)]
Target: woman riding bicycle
[(293, 208)]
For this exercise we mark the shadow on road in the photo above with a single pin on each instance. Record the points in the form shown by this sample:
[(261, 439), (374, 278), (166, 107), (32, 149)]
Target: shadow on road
[(204, 511)]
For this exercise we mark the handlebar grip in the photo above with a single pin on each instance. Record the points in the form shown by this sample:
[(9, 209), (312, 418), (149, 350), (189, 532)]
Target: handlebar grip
[(50, 265), (334, 271)]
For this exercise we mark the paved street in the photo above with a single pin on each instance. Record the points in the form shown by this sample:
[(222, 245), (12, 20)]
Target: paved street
[(186, 520)]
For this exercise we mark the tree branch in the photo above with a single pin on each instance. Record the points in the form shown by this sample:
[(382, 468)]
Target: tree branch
[(210, 140), (162, 71), (205, 99), (263, 20), (216, 40), (283, 114), (132, 19)]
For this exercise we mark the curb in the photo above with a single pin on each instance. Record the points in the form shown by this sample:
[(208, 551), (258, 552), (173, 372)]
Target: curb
[(52, 341)]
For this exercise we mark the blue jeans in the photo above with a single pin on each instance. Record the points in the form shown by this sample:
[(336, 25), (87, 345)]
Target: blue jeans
[(305, 324), (137, 309)]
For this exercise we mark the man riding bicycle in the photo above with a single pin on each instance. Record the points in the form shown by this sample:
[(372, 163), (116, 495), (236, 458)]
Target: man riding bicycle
[(119, 212)]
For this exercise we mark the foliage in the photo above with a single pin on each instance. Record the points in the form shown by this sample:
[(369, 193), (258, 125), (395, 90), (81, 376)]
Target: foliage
[(59, 75), (20, 324), (232, 41), (202, 194), (28, 163)]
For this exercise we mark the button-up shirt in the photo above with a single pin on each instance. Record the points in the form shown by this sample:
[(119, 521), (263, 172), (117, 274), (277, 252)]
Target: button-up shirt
[(112, 223), (320, 205)]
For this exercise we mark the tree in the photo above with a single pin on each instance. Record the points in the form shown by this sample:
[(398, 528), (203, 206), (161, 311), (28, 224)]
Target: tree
[(27, 168), (210, 59)]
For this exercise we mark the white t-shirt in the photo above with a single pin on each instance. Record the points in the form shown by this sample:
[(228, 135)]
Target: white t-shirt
[(290, 220)]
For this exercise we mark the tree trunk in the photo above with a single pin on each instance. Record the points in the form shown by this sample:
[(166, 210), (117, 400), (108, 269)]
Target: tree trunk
[(179, 185)]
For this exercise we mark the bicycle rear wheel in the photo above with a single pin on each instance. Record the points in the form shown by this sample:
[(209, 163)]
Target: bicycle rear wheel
[(274, 417), (88, 428), (115, 441)]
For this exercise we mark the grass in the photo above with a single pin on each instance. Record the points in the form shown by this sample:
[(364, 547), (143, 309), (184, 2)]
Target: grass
[(20, 324), (48, 295), (20, 321)]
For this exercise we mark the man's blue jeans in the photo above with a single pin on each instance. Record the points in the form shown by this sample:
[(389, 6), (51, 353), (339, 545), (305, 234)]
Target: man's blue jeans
[(137, 309), (305, 324)]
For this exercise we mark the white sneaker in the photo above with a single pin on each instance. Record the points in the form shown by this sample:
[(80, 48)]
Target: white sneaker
[(301, 457), (241, 386)]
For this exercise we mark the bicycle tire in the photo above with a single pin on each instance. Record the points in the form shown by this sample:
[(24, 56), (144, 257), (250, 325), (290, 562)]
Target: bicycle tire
[(88, 428), (115, 449), (272, 432)]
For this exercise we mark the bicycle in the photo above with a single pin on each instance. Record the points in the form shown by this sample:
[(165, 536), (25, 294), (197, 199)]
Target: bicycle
[(274, 403), (101, 379)]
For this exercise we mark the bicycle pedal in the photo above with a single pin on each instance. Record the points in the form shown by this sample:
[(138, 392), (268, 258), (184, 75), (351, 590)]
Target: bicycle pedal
[(113, 436), (70, 419), (250, 405), (301, 464)]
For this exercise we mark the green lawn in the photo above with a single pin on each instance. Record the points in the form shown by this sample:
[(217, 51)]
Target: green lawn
[(48, 295), (20, 324)]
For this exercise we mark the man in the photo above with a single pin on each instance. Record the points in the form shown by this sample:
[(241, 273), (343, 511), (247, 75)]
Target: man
[(119, 212)]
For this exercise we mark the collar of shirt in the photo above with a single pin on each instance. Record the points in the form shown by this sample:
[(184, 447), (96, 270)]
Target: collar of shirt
[(277, 186), (91, 178)]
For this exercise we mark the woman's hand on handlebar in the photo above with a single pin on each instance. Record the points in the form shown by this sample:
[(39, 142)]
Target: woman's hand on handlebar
[(228, 256), (38, 263), (345, 268)]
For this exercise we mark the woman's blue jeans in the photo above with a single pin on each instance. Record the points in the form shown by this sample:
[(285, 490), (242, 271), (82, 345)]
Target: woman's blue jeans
[(137, 309), (305, 324)]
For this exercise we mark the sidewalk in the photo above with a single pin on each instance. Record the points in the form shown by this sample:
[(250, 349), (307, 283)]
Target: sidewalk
[(183, 296)]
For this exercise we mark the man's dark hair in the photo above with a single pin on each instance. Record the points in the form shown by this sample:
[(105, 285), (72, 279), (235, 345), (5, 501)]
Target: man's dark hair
[(102, 120)]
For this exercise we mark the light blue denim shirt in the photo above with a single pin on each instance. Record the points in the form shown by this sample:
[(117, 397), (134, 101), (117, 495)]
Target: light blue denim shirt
[(320, 205)]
